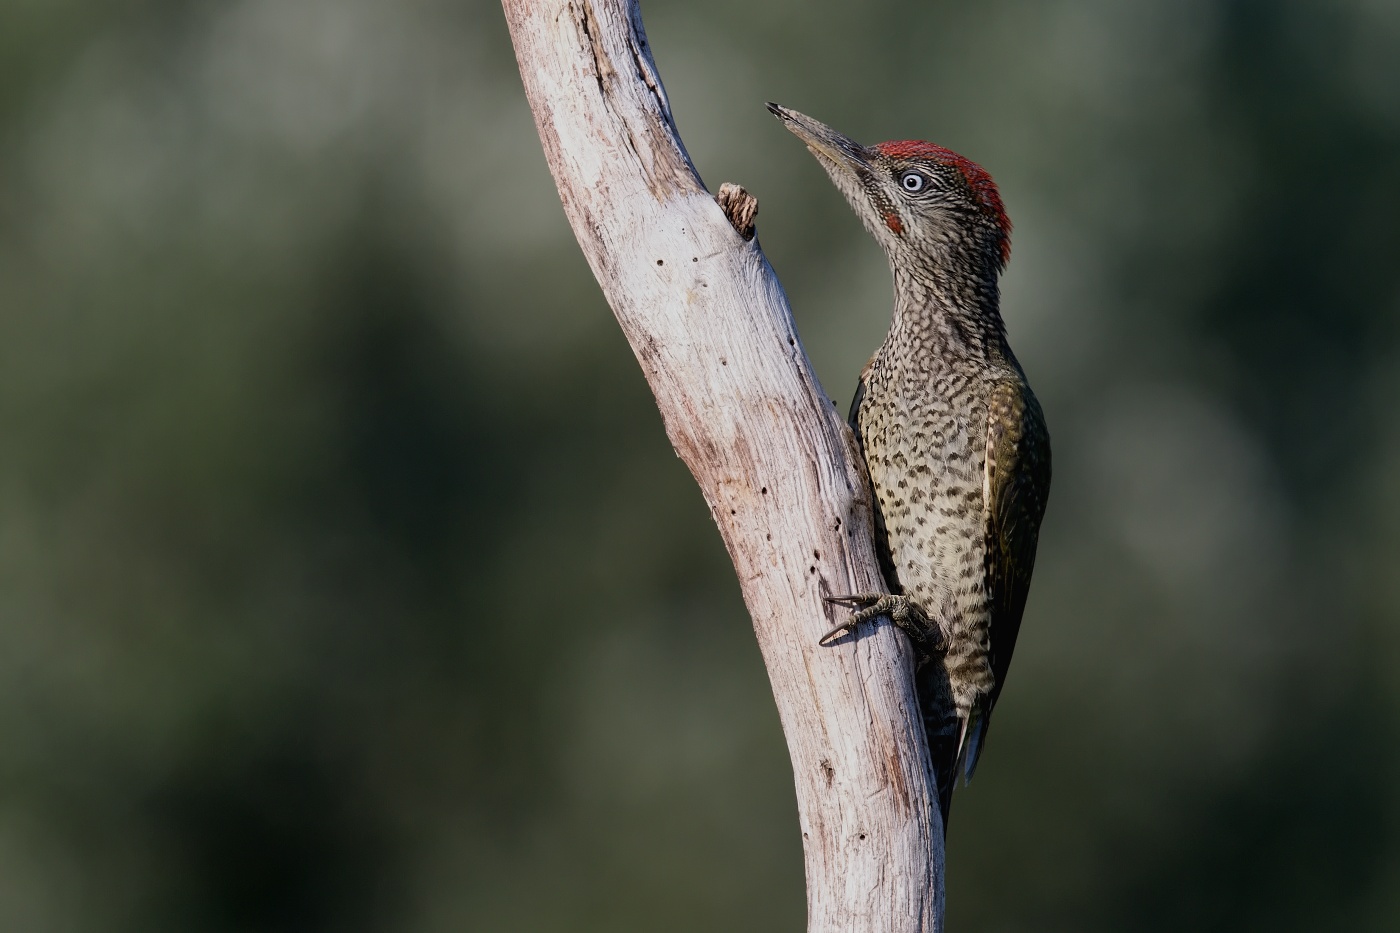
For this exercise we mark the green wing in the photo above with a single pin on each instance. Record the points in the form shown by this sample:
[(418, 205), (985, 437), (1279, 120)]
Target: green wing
[(1017, 485)]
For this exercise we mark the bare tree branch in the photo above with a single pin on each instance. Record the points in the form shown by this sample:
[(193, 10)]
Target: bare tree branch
[(711, 327)]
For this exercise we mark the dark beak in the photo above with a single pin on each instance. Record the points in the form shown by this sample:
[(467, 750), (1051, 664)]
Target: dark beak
[(824, 142)]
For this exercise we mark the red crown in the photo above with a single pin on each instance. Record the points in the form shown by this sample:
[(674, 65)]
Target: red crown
[(976, 176)]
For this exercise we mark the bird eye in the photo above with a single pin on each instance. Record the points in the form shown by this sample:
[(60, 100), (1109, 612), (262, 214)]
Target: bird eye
[(912, 181)]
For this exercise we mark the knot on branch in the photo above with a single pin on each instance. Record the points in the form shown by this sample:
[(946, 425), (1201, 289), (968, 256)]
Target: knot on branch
[(739, 206)]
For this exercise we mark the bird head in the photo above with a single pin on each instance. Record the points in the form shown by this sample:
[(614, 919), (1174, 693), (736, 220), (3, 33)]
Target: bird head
[(922, 202)]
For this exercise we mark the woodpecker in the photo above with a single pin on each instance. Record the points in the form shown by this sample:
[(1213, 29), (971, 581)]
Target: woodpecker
[(951, 434)]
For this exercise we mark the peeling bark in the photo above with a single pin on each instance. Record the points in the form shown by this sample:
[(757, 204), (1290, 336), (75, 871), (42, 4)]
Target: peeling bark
[(740, 207)]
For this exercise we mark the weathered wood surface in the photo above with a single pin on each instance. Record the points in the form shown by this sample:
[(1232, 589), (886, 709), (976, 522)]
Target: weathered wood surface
[(712, 330)]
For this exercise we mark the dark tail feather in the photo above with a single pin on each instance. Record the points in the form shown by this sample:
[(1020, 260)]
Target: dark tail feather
[(943, 729), (944, 752), (945, 802), (956, 748), (974, 734)]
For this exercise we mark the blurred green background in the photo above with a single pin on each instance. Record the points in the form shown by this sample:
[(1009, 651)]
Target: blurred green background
[(348, 582)]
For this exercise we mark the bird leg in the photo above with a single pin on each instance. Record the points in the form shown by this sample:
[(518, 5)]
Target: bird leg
[(911, 620)]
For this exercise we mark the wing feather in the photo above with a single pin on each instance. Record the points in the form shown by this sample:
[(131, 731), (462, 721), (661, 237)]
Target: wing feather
[(1018, 482), (1016, 485)]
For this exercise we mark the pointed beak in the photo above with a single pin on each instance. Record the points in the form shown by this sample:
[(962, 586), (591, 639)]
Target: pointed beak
[(824, 142)]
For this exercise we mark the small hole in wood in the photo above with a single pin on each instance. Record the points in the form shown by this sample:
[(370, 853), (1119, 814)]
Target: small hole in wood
[(660, 263)]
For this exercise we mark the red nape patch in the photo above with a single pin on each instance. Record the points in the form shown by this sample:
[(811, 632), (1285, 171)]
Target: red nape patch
[(977, 179), (892, 221)]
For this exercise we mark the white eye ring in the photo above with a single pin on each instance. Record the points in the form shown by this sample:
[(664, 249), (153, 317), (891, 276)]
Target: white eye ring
[(912, 181)]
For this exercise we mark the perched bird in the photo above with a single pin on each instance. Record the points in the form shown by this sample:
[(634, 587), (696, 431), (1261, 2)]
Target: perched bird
[(952, 436)]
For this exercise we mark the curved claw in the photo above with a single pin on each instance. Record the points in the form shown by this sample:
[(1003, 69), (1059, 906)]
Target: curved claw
[(855, 599), (905, 615), (859, 599), (843, 627)]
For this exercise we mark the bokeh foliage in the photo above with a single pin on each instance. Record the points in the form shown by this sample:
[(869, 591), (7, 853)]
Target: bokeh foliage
[(347, 581)]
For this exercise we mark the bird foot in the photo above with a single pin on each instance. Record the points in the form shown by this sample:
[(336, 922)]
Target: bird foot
[(925, 633)]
